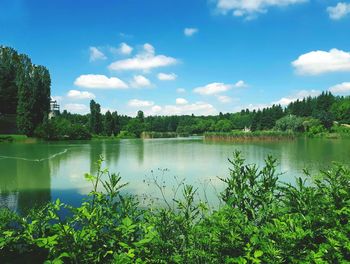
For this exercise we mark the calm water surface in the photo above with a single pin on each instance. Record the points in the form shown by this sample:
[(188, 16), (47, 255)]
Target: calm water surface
[(34, 173)]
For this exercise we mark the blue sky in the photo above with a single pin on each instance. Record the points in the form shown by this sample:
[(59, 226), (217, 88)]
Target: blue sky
[(183, 57)]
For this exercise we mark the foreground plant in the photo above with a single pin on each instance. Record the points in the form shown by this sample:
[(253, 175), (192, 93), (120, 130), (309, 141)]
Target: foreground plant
[(261, 221)]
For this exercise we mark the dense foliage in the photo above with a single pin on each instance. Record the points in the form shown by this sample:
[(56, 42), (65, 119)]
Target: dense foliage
[(59, 128), (313, 115), (261, 220), (24, 89)]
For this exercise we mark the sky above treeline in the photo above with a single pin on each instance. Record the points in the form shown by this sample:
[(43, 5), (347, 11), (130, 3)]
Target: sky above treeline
[(182, 57)]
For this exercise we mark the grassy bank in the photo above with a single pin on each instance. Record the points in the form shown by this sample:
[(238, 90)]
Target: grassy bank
[(336, 132), (153, 134), (12, 138), (249, 136), (261, 220)]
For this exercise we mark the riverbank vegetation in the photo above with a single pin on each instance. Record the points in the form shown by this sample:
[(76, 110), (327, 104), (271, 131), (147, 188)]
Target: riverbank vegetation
[(12, 138), (320, 116), (260, 220), (238, 135)]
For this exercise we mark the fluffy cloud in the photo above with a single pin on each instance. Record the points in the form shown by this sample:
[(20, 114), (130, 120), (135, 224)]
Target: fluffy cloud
[(75, 94), (100, 82), (198, 108), (318, 62), (140, 81), (284, 101), (145, 60), (140, 103), (96, 54), (215, 88), (181, 90), (340, 88), (124, 49), (240, 84), (56, 98), (212, 88), (224, 99), (339, 11), (166, 76), (77, 108), (181, 101), (190, 31), (250, 8)]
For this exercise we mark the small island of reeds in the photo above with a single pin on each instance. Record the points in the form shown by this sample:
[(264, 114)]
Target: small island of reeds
[(237, 135)]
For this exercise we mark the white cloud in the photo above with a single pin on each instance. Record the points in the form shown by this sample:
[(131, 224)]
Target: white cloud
[(124, 49), (166, 76), (75, 94), (318, 62), (254, 106), (56, 98), (100, 82), (145, 60), (340, 88), (140, 103), (212, 88), (96, 54), (339, 11), (224, 99), (190, 31), (181, 90), (284, 101), (140, 81), (198, 108), (105, 109), (250, 8), (240, 84), (77, 108), (181, 101)]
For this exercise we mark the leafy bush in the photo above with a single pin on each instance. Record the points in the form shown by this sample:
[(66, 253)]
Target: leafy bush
[(60, 128), (290, 123), (261, 221), (316, 130)]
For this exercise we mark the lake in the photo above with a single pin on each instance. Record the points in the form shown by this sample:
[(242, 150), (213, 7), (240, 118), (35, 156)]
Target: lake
[(36, 172)]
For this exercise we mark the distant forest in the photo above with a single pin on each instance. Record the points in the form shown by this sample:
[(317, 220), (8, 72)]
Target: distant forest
[(299, 116), (25, 91)]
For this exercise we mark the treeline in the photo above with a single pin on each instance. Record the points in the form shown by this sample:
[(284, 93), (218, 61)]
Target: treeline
[(311, 114), (24, 90)]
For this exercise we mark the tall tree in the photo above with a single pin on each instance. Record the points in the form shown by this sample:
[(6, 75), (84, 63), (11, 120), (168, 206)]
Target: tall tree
[(8, 86), (41, 94), (25, 93), (108, 123), (95, 117)]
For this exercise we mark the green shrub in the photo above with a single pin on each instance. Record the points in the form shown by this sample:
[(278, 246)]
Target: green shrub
[(59, 128), (261, 221)]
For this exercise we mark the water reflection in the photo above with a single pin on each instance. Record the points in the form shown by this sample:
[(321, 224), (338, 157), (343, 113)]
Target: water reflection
[(32, 174), (25, 181)]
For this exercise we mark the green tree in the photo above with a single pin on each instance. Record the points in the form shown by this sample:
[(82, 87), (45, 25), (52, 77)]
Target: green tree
[(290, 122), (108, 123), (141, 116), (41, 94), (9, 61), (116, 123), (25, 93), (95, 118)]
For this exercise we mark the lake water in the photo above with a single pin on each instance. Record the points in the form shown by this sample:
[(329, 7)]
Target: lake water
[(36, 172)]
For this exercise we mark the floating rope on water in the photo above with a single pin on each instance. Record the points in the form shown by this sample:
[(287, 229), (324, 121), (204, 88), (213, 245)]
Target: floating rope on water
[(36, 160)]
